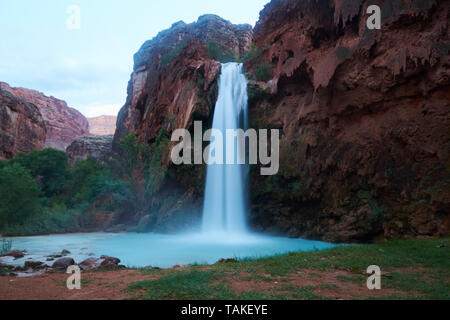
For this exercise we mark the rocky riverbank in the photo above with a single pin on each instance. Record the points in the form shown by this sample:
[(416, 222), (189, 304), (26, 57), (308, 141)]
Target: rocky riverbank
[(57, 262)]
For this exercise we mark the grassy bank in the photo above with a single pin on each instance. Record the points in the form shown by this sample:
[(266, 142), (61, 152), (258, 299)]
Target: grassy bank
[(412, 269)]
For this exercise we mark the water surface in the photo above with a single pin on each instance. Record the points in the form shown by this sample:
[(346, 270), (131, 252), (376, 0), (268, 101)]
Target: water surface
[(164, 251)]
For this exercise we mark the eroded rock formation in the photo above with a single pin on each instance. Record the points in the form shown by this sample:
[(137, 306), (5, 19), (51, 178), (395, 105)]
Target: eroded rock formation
[(95, 147), (102, 126), (22, 128), (174, 83), (364, 116), (63, 124)]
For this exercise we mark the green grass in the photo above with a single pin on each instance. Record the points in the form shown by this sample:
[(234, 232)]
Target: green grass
[(427, 274)]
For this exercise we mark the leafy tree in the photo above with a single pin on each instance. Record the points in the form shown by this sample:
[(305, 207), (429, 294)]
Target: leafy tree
[(216, 51), (49, 166), (90, 180), (19, 195), (264, 72)]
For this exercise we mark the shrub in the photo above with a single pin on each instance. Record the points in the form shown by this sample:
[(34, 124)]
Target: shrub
[(253, 54), (49, 166), (167, 58), (264, 73), (89, 180), (47, 222), (19, 195), (216, 51)]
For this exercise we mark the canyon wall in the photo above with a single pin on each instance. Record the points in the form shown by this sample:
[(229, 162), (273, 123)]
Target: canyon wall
[(365, 118), (174, 83), (102, 126), (63, 124), (95, 147), (22, 128)]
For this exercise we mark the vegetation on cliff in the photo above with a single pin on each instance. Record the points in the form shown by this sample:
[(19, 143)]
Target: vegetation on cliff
[(40, 193)]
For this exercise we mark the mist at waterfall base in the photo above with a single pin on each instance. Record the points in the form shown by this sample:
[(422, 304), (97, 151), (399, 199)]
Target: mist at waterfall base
[(224, 233)]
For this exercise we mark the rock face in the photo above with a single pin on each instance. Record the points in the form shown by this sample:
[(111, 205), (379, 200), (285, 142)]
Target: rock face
[(22, 128), (364, 117), (102, 126), (96, 147), (63, 124), (174, 83)]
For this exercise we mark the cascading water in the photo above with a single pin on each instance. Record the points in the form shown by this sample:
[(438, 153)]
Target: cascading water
[(224, 207), (225, 233)]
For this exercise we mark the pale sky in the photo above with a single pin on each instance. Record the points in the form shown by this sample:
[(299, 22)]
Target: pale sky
[(90, 67)]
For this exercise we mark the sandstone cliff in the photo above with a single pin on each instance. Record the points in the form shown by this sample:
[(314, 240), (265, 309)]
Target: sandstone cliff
[(22, 128), (102, 126), (95, 147), (364, 115), (174, 83), (63, 124)]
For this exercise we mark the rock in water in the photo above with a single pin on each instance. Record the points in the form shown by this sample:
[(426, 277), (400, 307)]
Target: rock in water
[(63, 263), (22, 127), (63, 124), (15, 253), (35, 265)]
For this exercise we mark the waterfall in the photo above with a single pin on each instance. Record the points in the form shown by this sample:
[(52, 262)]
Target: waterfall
[(225, 195)]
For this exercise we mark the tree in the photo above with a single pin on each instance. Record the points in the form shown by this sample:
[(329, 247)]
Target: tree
[(49, 166), (19, 195)]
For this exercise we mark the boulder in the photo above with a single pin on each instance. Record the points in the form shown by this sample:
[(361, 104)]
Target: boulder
[(33, 265), (109, 262), (15, 253), (63, 263), (96, 147), (90, 264)]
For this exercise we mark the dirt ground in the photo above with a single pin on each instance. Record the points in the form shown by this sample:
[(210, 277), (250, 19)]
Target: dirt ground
[(94, 286), (112, 285)]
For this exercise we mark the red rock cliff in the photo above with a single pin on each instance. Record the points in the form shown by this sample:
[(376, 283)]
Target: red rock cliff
[(102, 126), (22, 128), (173, 84), (63, 124), (364, 115)]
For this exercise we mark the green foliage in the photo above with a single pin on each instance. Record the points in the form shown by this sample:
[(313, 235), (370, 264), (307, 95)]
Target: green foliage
[(158, 164), (216, 51), (425, 261), (19, 195), (167, 58), (253, 54), (90, 180), (49, 166), (256, 94), (40, 193), (264, 72), (47, 222)]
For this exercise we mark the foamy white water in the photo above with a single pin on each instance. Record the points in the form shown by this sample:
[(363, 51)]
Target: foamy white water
[(224, 208)]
